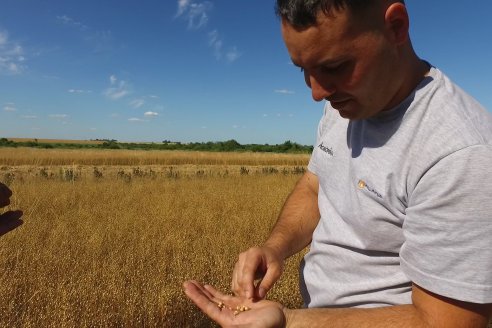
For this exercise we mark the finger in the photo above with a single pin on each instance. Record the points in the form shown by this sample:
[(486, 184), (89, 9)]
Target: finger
[(271, 276), (201, 299), (234, 286), (239, 271), (215, 300), (204, 303), (219, 295), (251, 268)]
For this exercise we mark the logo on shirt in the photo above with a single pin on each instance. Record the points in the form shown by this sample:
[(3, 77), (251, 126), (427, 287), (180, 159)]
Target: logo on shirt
[(363, 185), (326, 149)]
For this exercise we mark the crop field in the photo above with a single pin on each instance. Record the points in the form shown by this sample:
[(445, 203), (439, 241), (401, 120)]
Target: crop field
[(107, 238)]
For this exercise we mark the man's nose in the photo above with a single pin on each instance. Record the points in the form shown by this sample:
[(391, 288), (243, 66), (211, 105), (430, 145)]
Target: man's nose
[(320, 91)]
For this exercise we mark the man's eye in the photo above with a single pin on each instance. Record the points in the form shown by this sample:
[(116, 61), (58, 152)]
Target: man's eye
[(331, 69), (334, 69)]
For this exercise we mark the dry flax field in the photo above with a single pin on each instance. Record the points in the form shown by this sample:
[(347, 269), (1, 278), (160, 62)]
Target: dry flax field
[(107, 238)]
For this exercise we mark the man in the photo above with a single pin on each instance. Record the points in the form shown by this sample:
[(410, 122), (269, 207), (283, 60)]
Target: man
[(396, 204)]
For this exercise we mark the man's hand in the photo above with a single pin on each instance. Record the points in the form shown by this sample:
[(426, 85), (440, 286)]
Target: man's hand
[(256, 263), (291, 233), (235, 311)]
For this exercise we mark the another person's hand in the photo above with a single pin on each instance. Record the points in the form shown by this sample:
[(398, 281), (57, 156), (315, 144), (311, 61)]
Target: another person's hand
[(257, 263), (5, 194), (10, 219), (235, 311)]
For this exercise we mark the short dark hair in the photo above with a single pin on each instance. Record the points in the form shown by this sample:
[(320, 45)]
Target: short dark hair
[(303, 13)]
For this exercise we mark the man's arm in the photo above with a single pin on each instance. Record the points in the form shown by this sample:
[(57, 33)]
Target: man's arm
[(291, 233), (298, 218), (428, 310)]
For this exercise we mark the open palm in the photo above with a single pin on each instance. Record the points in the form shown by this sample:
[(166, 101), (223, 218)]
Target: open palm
[(226, 309)]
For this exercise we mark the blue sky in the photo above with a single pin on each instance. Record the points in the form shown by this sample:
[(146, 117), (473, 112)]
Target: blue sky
[(191, 70)]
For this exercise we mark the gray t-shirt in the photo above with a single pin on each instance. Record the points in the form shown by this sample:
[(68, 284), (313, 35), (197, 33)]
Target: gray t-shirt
[(405, 196)]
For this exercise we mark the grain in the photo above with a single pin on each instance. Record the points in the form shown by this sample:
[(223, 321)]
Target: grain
[(103, 250)]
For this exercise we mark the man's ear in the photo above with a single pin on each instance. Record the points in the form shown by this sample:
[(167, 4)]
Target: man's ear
[(397, 23)]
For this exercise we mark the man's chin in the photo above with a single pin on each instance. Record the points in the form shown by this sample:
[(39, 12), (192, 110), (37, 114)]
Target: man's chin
[(347, 109), (351, 110), (347, 115)]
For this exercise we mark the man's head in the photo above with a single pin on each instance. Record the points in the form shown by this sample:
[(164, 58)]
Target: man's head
[(354, 53), (304, 13)]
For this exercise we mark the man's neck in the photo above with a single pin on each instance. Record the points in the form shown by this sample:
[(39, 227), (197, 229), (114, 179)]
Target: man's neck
[(412, 74)]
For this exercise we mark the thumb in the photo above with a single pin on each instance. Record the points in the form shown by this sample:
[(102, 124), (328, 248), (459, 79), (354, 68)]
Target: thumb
[(271, 276)]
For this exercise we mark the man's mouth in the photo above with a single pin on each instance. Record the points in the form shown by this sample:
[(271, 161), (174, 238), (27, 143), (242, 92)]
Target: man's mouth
[(338, 103)]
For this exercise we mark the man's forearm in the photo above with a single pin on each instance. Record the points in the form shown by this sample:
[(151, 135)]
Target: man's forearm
[(298, 218), (428, 310), (401, 316)]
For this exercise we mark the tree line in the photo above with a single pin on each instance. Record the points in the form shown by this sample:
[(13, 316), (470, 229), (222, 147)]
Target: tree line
[(217, 146)]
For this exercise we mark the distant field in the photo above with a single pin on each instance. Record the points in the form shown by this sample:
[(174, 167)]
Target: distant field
[(110, 245), (40, 157), (61, 141)]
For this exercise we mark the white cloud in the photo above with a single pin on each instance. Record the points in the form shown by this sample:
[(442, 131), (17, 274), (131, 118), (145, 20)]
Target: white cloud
[(182, 6), (232, 55), (3, 38), (9, 108), (215, 43), (284, 91), (151, 114), (137, 103), (196, 13), (100, 41), (79, 91), (29, 117), (11, 55), (71, 22), (134, 119), (58, 116), (118, 88)]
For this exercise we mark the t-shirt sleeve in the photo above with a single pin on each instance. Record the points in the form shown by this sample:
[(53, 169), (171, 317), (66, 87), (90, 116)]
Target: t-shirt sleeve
[(314, 160), (448, 227)]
